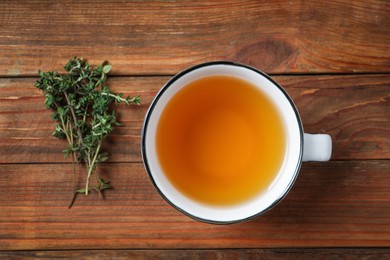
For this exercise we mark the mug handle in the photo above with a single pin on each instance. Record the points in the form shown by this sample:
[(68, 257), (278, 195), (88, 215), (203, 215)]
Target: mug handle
[(317, 147)]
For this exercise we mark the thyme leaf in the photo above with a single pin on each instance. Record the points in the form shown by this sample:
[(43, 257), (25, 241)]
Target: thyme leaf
[(81, 105)]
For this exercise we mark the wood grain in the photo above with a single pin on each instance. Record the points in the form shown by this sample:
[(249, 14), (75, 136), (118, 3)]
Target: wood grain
[(335, 204), (158, 38), (333, 58), (284, 254), (354, 110)]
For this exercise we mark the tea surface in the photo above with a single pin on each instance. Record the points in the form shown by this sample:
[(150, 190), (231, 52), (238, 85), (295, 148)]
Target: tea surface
[(220, 140)]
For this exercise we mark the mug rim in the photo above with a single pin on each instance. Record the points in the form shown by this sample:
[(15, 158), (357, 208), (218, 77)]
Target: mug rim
[(154, 103)]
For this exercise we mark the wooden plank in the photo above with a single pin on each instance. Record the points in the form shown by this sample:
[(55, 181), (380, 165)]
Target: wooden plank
[(285, 254), (354, 110), (26, 126), (162, 38), (334, 204)]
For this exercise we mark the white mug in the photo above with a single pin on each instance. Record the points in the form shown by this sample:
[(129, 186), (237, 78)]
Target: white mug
[(299, 146)]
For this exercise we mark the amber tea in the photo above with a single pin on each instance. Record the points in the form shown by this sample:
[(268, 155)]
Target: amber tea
[(220, 140)]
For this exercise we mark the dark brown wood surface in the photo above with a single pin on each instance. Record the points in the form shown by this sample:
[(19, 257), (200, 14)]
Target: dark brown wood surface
[(333, 58), (340, 204), (284, 254), (161, 37)]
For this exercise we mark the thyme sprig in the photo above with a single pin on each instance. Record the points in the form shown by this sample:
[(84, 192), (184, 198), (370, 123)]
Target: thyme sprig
[(81, 104)]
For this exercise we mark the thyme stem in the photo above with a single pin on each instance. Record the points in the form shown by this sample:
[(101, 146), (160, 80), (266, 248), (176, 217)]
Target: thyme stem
[(91, 167)]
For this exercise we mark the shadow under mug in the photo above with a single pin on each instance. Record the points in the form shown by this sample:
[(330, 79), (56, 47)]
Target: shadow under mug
[(299, 145)]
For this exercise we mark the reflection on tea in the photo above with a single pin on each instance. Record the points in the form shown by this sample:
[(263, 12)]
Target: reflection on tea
[(220, 140)]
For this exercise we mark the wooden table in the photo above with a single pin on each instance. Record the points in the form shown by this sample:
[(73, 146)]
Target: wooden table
[(333, 57)]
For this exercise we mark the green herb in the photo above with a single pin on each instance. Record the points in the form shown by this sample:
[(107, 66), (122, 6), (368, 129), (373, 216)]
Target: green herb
[(81, 105)]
